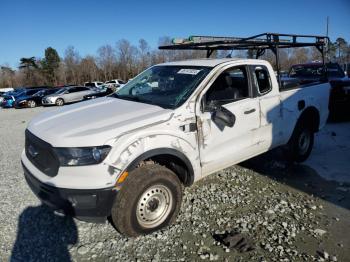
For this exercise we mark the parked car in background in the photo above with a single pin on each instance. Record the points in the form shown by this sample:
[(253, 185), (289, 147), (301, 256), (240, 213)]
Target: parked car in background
[(34, 100), (66, 95), (116, 83), (103, 92), (314, 72), (18, 94), (3, 92), (93, 84), (339, 100)]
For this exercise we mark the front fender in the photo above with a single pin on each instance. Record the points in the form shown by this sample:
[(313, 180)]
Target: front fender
[(128, 149)]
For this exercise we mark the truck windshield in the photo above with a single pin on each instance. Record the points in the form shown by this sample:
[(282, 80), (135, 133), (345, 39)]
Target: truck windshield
[(165, 86)]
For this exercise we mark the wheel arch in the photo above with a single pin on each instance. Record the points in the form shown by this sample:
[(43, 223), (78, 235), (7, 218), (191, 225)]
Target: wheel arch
[(60, 98), (170, 158), (311, 116)]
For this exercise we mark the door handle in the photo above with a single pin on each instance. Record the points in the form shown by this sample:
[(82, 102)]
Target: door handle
[(249, 111)]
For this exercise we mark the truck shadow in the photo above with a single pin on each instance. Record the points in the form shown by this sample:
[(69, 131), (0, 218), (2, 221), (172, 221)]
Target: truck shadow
[(301, 177), (43, 236)]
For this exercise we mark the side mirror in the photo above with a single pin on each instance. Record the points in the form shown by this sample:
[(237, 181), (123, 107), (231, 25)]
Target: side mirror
[(223, 117)]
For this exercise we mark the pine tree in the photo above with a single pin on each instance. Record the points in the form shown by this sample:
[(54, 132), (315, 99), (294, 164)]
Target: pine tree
[(50, 65)]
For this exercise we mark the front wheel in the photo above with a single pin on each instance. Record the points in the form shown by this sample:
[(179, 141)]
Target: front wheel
[(59, 102), (301, 143), (149, 200)]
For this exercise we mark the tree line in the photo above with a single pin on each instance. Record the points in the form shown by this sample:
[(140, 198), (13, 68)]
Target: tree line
[(125, 60)]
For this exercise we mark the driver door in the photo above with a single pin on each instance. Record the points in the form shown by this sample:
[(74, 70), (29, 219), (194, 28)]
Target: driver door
[(223, 146), (70, 95)]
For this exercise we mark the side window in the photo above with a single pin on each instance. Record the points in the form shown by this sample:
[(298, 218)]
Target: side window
[(262, 80), (230, 85), (32, 92), (72, 90), (80, 88)]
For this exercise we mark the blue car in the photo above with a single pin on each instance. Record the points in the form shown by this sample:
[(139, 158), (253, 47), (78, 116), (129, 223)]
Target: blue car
[(11, 97), (33, 100)]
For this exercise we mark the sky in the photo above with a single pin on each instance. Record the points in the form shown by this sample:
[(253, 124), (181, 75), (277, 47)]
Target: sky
[(30, 26)]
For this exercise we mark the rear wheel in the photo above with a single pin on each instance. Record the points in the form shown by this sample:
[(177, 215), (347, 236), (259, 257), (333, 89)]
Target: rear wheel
[(301, 143), (149, 199), (59, 102), (31, 104)]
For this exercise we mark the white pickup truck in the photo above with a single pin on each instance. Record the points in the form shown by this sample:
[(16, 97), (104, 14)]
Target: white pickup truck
[(128, 156)]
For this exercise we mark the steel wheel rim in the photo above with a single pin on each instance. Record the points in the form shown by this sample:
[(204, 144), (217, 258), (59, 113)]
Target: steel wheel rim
[(304, 142), (154, 206)]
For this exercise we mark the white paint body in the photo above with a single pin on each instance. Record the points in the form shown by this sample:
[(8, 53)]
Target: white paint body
[(133, 128)]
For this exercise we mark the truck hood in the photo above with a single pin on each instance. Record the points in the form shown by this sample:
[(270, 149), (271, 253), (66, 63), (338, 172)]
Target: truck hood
[(94, 122)]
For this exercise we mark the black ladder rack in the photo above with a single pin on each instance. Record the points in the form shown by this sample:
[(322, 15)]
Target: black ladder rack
[(258, 43)]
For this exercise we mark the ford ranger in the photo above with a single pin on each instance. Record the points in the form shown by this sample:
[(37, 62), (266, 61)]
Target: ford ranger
[(127, 156)]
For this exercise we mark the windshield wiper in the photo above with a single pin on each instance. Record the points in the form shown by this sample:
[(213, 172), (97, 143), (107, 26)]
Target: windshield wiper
[(137, 99)]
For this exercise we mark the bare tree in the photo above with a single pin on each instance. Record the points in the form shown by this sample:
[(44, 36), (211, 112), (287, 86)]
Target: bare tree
[(144, 51), (107, 61), (342, 47), (300, 55), (88, 69), (62, 73), (7, 77), (71, 60), (126, 56)]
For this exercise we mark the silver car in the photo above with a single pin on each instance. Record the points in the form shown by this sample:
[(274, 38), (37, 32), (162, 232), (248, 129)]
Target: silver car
[(67, 95)]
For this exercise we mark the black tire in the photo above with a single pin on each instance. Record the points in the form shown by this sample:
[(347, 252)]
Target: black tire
[(301, 143), (125, 214), (31, 104), (59, 102)]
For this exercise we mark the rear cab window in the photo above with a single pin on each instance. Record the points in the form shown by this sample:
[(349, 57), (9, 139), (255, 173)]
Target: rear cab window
[(261, 80), (81, 88)]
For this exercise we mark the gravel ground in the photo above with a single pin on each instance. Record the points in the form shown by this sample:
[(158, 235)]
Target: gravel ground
[(287, 213)]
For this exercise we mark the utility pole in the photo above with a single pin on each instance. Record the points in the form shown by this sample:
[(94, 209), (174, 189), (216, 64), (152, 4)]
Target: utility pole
[(327, 46)]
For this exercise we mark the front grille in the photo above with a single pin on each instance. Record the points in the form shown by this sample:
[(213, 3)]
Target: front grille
[(41, 154)]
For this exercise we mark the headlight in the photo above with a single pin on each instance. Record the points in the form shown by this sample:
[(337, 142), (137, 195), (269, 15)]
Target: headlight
[(81, 156)]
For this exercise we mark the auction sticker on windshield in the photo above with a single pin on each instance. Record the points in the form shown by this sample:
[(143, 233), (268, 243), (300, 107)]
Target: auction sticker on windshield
[(188, 71)]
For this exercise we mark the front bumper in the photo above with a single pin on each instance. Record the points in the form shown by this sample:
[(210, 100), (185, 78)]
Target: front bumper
[(20, 104), (91, 205)]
